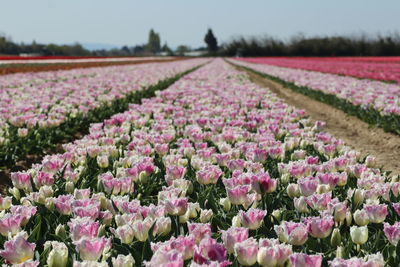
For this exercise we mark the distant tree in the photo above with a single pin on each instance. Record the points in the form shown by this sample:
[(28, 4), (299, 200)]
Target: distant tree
[(211, 41), (154, 42), (182, 49), (139, 49), (167, 50), (125, 50)]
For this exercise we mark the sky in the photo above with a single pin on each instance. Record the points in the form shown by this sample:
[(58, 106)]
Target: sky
[(127, 22)]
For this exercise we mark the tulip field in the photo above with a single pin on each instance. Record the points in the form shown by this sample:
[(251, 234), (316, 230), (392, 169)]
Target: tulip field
[(189, 163), (375, 68), (376, 102), (66, 101)]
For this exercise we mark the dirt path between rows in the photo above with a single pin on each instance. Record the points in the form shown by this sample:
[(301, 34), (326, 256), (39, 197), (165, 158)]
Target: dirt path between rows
[(356, 133)]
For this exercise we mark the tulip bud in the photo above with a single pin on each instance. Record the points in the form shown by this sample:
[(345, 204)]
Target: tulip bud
[(162, 226), (349, 218), (303, 143), (123, 261), (25, 201), (300, 204), (361, 217), (60, 232), (359, 235), (183, 162), (225, 203), (143, 177), (69, 187), (236, 221), (285, 178), (184, 218), (323, 188), (58, 256), (371, 162), (102, 161), (293, 190), (15, 192), (49, 204), (5, 203), (336, 238), (339, 252), (277, 214), (22, 132), (46, 191), (358, 196), (192, 210), (102, 230), (205, 215)]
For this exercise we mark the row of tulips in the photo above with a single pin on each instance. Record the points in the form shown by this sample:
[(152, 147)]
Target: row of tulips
[(389, 72), (66, 60), (66, 102), (375, 102), (213, 171)]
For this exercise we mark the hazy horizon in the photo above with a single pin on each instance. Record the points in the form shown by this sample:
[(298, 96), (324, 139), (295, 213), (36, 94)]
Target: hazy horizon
[(127, 22)]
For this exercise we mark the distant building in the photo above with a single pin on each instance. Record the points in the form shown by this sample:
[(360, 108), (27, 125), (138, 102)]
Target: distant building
[(30, 55), (195, 53)]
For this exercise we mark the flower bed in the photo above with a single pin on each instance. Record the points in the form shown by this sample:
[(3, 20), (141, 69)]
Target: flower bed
[(60, 104), (213, 171), (365, 68), (375, 102)]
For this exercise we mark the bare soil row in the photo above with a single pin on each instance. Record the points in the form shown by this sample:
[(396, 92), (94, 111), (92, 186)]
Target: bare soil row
[(16, 68)]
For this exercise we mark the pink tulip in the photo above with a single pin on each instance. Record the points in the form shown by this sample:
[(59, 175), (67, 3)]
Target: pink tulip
[(63, 204), (208, 251), (253, 218), (262, 183), (396, 207), (174, 173), (10, 224), (237, 195), (374, 260), (304, 260), (18, 250), (91, 249), (176, 206), (273, 254), (22, 180), (307, 185), (199, 230), (123, 261), (167, 259), (320, 227), (208, 174), (43, 178), (392, 232), (246, 251), (185, 245), (83, 227), (26, 211), (234, 235), (293, 233), (377, 213)]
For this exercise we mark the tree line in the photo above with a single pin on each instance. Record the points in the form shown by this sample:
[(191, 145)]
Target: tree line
[(362, 45), (382, 45)]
